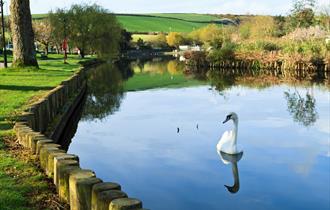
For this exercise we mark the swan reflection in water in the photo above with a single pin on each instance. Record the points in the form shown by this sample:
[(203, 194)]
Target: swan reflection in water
[(229, 151), (233, 160)]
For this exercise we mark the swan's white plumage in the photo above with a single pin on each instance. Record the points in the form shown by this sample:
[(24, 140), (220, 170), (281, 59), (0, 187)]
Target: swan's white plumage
[(227, 142)]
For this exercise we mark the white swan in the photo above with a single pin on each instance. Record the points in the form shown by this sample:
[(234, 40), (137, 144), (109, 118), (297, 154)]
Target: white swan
[(228, 141)]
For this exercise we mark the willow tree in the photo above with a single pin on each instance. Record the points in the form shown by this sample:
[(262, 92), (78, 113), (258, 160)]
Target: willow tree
[(22, 33)]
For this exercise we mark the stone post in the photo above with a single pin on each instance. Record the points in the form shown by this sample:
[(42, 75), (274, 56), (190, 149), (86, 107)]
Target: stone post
[(125, 204), (98, 188), (104, 198)]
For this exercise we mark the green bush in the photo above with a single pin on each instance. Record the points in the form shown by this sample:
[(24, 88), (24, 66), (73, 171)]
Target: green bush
[(226, 52), (267, 46)]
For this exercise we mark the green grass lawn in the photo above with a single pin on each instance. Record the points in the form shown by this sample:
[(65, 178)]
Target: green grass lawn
[(17, 86), (20, 179)]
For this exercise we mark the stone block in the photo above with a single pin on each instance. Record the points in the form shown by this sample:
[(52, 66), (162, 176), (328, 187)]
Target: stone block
[(43, 155), (34, 141), (63, 180), (106, 197), (100, 187), (58, 162), (125, 204), (50, 162), (82, 189), (41, 143)]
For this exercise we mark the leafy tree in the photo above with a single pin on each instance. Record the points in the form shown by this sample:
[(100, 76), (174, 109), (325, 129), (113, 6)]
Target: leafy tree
[(59, 21), (43, 33), (22, 34), (324, 17), (209, 34), (160, 41), (94, 29), (175, 39), (302, 14), (212, 35), (257, 27), (279, 26), (90, 28), (125, 41)]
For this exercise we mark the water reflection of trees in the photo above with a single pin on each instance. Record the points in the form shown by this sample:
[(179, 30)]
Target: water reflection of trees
[(302, 109), (223, 79), (105, 90)]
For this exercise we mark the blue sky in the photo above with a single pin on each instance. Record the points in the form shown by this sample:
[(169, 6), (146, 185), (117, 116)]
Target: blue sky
[(272, 7)]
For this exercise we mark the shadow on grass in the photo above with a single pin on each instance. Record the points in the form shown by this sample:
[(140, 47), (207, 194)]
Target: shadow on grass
[(24, 88), (5, 126)]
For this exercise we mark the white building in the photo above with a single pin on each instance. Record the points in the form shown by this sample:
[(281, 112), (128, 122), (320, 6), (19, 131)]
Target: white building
[(190, 48)]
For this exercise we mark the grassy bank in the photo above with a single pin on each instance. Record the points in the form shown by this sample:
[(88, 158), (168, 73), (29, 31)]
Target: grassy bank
[(22, 184)]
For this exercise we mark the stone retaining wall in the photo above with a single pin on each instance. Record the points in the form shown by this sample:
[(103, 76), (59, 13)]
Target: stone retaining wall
[(79, 187)]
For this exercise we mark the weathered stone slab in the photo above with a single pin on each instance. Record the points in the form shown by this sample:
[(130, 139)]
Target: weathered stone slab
[(104, 198), (34, 141), (58, 162), (63, 181), (40, 144), (21, 134), (125, 204), (50, 162), (100, 187), (80, 184), (43, 156)]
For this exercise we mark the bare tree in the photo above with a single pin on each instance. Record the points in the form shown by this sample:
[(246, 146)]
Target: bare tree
[(22, 33)]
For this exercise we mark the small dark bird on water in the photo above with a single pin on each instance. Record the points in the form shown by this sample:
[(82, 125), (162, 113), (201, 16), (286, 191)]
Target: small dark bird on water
[(178, 130)]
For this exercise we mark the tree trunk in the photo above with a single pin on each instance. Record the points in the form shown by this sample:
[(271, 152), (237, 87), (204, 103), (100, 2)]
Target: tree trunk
[(23, 38), (46, 49), (82, 53)]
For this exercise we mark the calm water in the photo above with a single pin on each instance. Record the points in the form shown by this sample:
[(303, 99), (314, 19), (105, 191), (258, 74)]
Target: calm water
[(160, 144)]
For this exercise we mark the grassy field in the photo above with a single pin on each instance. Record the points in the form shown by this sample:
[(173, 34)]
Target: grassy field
[(186, 16), (159, 22), (156, 24), (18, 87)]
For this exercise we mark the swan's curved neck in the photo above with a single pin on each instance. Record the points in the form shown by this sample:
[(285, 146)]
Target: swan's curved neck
[(235, 131)]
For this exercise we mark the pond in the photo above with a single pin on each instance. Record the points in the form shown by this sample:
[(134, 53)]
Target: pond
[(153, 127)]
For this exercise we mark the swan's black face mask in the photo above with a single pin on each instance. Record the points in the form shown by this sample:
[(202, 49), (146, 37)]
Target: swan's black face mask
[(227, 119)]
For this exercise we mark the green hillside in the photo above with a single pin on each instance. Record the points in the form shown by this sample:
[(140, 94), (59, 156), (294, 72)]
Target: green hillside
[(186, 16), (159, 22), (141, 23)]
